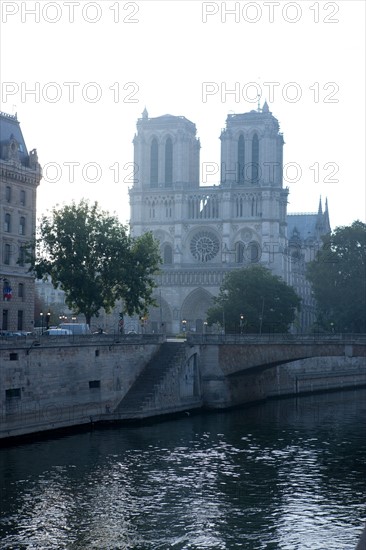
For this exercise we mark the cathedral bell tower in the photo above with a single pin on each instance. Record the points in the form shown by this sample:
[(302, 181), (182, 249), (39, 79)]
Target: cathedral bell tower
[(166, 152), (252, 150)]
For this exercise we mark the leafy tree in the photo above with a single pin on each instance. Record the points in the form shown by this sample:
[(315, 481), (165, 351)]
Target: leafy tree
[(265, 301), (90, 255), (338, 278)]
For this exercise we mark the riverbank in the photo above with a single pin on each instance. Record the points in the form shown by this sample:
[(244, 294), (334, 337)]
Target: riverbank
[(63, 384)]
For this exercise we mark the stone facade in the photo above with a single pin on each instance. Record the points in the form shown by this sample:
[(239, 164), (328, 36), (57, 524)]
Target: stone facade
[(206, 231), (20, 174)]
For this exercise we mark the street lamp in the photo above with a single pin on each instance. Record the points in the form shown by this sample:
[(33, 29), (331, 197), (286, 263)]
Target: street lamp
[(48, 319), (261, 318), (184, 323), (225, 294), (41, 316), (241, 323), (205, 323)]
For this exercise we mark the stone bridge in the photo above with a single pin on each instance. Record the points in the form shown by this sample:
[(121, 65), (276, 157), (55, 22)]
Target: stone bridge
[(238, 354), (239, 369)]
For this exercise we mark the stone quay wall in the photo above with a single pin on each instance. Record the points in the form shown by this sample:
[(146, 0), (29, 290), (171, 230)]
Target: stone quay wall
[(58, 383)]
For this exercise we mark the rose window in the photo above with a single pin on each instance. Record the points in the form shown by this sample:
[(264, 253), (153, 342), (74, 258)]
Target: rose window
[(204, 246)]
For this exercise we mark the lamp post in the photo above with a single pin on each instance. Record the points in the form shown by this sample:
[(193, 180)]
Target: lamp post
[(160, 312), (225, 294), (41, 316), (261, 318), (184, 323), (48, 316), (241, 323)]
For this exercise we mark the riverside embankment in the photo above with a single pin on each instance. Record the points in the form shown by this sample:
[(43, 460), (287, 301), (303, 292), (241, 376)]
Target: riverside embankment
[(61, 382)]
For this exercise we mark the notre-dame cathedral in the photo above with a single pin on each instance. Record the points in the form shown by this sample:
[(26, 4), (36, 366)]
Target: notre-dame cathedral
[(206, 231)]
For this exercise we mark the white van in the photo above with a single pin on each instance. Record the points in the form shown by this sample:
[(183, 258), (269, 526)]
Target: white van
[(57, 332), (76, 328)]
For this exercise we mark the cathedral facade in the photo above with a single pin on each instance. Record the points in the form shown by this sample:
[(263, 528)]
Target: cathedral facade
[(207, 231)]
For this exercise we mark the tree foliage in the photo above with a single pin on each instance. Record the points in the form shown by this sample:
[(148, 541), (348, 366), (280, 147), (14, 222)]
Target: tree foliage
[(338, 278), (89, 253), (265, 301)]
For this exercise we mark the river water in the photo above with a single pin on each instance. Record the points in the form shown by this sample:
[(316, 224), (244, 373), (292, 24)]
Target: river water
[(287, 474)]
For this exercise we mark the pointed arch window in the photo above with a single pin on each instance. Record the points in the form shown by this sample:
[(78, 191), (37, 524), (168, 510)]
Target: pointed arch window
[(239, 253), (255, 159), (168, 255), (168, 162), (239, 207), (152, 209), (254, 253), (241, 159), (253, 209), (168, 208), (154, 163)]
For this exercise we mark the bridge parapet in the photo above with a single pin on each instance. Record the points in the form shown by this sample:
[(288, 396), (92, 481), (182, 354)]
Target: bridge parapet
[(275, 338)]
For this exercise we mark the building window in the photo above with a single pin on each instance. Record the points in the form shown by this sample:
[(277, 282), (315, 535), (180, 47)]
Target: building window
[(21, 259), (255, 159), (21, 290), (168, 255), (7, 223), (94, 384), (20, 319), (168, 162), (204, 246), (5, 319), (154, 163), (241, 160), (22, 225), (8, 194), (7, 250), (22, 197), (12, 393)]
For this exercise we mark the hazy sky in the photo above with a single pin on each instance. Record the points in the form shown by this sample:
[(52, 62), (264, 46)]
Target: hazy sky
[(79, 74)]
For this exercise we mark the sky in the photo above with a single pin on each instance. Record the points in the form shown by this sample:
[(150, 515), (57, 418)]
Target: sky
[(79, 74)]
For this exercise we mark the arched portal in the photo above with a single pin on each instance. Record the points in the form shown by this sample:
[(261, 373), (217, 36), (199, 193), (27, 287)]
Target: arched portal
[(194, 309), (160, 317)]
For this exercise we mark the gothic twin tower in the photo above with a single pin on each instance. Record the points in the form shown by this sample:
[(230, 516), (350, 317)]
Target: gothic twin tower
[(206, 231)]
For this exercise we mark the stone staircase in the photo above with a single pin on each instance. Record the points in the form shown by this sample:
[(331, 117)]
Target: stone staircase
[(137, 399)]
